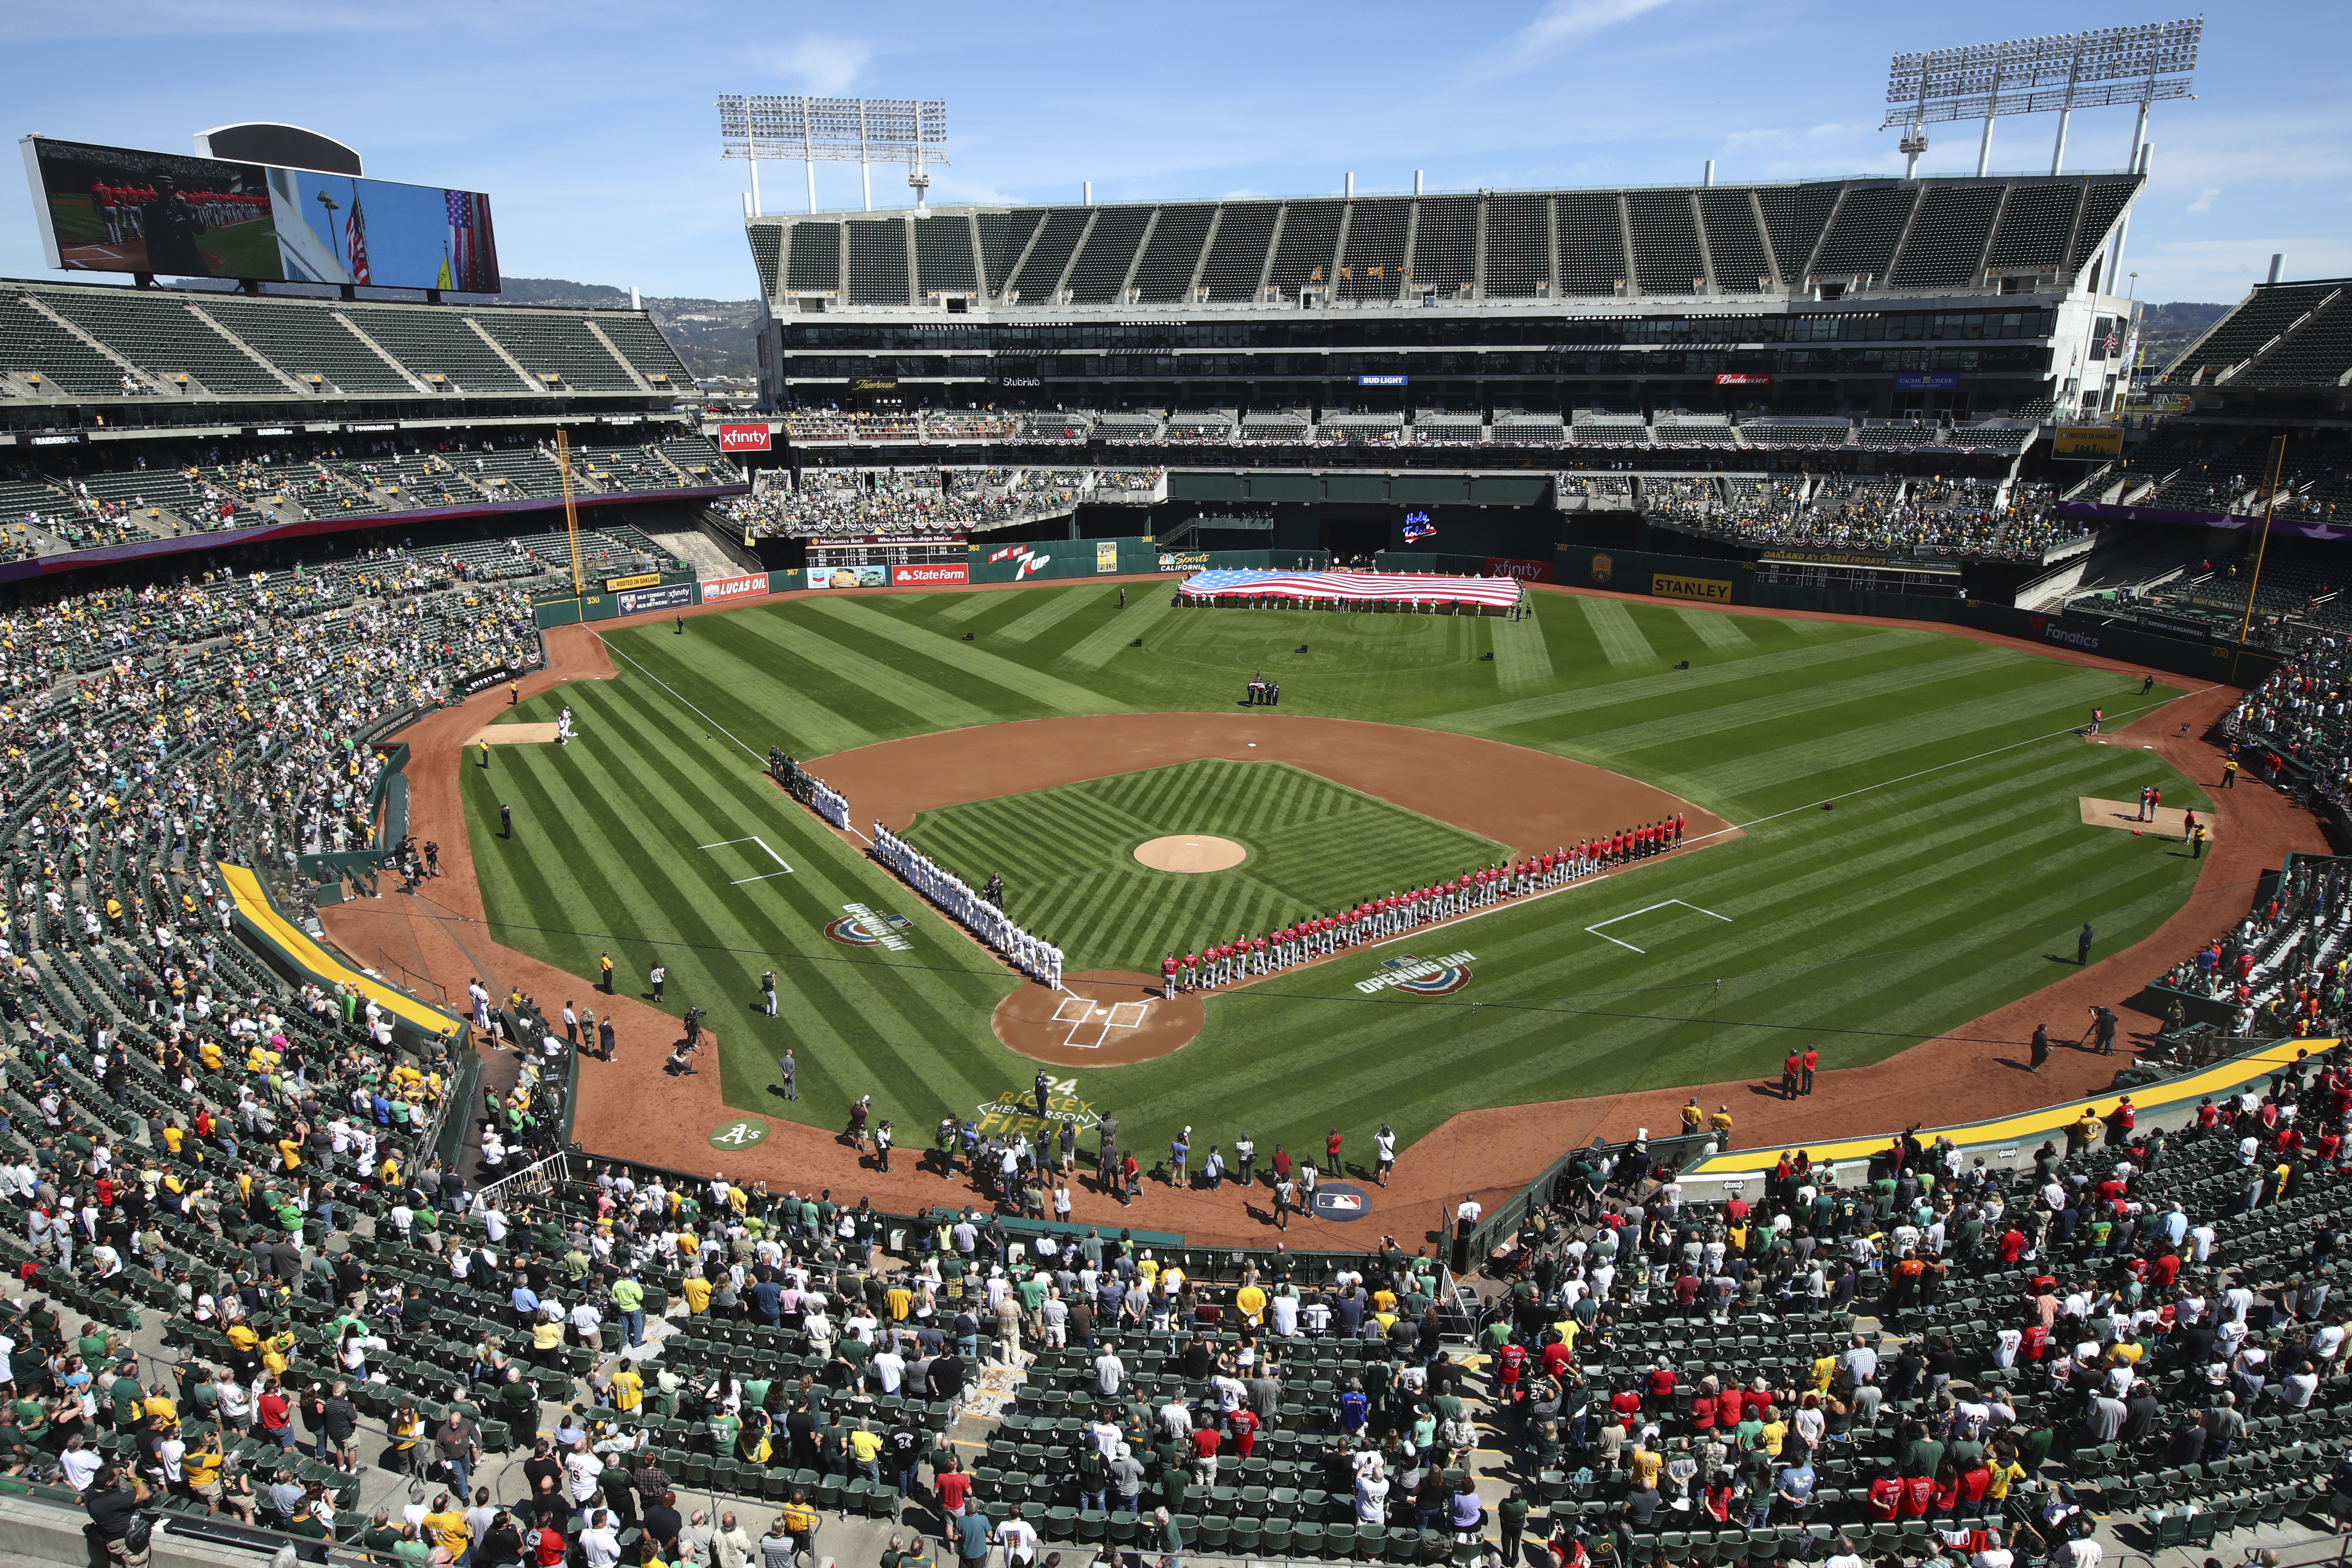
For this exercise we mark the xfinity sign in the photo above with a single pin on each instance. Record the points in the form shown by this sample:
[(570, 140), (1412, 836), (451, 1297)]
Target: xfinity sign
[(743, 438)]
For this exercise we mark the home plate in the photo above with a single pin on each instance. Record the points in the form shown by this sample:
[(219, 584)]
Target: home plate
[(2170, 821)]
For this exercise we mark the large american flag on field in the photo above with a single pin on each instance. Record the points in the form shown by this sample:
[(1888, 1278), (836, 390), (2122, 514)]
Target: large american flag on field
[(1389, 587)]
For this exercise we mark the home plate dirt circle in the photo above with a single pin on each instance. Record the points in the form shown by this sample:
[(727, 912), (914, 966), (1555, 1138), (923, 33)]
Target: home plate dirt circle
[(1104, 1018), (1191, 852)]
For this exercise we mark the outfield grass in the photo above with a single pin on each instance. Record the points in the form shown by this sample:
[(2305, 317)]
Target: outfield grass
[(1933, 896), (1067, 858)]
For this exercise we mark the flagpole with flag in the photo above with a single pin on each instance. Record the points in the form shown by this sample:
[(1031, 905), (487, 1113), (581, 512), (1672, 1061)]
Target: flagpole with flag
[(355, 238)]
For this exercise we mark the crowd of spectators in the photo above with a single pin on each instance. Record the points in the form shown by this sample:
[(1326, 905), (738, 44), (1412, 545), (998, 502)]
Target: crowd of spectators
[(923, 502), (1949, 519)]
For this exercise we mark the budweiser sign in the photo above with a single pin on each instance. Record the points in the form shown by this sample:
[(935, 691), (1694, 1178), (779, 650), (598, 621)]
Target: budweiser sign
[(743, 438)]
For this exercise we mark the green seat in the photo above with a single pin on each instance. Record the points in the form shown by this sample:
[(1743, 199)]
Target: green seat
[(1371, 1539), (1305, 1539), (1403, 1545), (1122, 1528), (1061, 1523), (1094, 1526), (1276, 1539), (1246, 1534), (1339, 1541), (1216, 1534)]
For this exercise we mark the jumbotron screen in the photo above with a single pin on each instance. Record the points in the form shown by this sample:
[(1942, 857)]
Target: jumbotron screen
[(114, 209)]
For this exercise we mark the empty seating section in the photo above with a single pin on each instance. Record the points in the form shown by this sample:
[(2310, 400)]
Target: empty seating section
[(943, 257), (2263, 315), (437, 344), (1238, 253), (1303, 253), (1795, 216), (1002, 237), (1518, 247), (2316, 352), (1445, 243), (812, 258), (1041, 274), (642, 344), (2036, 225), (32, 344), (161, 335), (767, 255), (1861, 237), (547, 343), (1667, 259), (1734, 243), (877, 265), (1592, 244), (1164, 275), (309, 341), (1373, 264), (2103, 203), (1100, 270), (700, 459), (1946, 238)]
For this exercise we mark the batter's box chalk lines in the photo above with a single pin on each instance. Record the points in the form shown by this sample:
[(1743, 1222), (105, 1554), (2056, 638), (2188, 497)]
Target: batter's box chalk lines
[(1643, 910), (1082, 1011), (752, 838)]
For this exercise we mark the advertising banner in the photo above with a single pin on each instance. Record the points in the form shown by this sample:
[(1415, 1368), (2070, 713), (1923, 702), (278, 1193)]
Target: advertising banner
[(1744, 378), (1673, 585), (717, 588), (1106, 555), (116, 209), (2087, 441), (638, 579), (1926, 381), (637, 601), (743, 438), (1525, 571), (931, 574), (849, 577)]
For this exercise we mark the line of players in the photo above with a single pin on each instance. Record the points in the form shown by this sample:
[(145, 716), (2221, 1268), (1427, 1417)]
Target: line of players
[(123, 208), (1375, 919), (1034, 956)]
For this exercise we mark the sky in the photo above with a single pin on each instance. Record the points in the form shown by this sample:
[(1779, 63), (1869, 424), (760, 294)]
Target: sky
[(592, 124)]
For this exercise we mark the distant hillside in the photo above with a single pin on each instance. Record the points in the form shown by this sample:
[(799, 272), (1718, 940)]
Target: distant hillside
[(2166, 330), (714, 337)]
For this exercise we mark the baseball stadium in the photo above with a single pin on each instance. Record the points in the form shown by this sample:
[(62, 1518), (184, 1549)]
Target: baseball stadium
[(1272, 878)]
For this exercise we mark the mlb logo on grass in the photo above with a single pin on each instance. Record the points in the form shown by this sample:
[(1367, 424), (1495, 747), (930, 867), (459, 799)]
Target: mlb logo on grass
[(1343, 1202)]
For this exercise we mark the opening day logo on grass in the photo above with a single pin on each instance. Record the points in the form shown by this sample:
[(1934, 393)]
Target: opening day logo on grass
[(1420, 977), (862, 927), (1015, 1111)]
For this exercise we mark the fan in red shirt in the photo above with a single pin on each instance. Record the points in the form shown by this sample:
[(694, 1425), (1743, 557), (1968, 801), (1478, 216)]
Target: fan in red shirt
[(1242, 1424), (1918, 1495), (953, 1488), (1885, 1499), (1509, 1363)]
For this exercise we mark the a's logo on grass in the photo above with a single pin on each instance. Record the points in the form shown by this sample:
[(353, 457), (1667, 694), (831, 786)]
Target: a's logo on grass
[(862, 927), (1420, 977), (1341, 1201), (739, 1134), (1015, 1111)]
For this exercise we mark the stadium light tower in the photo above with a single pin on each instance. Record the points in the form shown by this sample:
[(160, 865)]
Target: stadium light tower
[(861, 131), (2056, 74)]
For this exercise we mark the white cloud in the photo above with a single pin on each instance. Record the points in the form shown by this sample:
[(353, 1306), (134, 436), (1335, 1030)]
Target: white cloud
[(819, 62), (1561, 20), (2204, 202)]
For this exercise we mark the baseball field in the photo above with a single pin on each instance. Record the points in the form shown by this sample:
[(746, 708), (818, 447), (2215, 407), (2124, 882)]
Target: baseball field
[(1945, 876)]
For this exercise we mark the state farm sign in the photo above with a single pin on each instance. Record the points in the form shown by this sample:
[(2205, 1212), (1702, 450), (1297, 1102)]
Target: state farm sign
[(743, 437), (933, 572)]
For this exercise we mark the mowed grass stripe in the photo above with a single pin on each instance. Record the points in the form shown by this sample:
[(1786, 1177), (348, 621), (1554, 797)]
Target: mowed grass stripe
[(1099, 646), (1051, 612), (1724, 634), (1787, 703), (802, 700), (811, 639), (1592, 692), (972, 670), (1522, 655), (1622, 641)]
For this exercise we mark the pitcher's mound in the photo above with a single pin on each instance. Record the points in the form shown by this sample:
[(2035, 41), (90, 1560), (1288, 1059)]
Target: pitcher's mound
[(1191, 852), (1106, 1018)]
